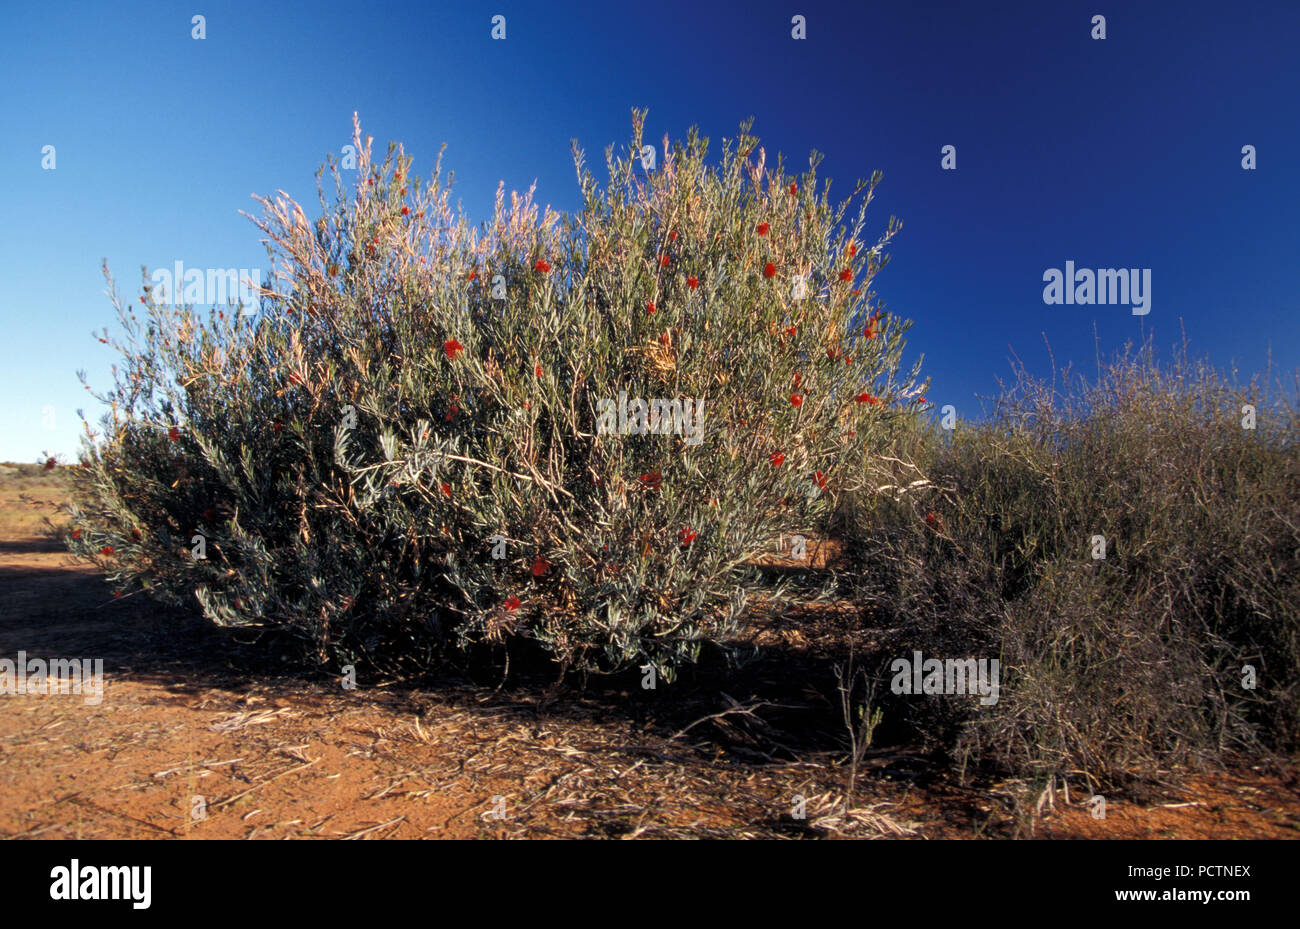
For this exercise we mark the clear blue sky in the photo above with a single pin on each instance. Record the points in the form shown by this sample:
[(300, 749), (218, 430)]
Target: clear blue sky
[(1117, 153)]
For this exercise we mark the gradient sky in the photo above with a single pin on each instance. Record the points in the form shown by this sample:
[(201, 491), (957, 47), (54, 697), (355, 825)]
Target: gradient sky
[(1117, 153)]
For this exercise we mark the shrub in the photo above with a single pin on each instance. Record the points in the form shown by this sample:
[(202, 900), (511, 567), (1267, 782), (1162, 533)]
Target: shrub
[(1119, 667), (415, 397)]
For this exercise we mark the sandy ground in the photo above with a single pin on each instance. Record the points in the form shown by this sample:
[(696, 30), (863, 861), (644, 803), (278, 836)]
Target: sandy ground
[(204, 734)]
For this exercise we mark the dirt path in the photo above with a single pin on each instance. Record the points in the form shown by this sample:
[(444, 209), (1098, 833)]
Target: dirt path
[(200, 734)]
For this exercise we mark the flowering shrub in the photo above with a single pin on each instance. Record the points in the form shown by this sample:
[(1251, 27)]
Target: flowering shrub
[(424, 435)]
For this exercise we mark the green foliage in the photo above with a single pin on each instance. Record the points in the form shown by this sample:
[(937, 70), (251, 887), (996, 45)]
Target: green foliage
[(1114, 667), (351, 454)]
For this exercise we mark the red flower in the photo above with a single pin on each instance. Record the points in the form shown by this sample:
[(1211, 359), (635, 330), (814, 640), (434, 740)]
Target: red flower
[(332, 270), (798, 379), (106, 551), (541, 266), (820, 480), (446, 489), (832, 353), (796, 399), (672, 236), (653, 480), (142, 299), (403, 190), (452, 348), (664, 261), (853, 250), (76, 533), (869, 332), (540, 565), (136, 534), (473, 275), (278, 427), (512, 603), (49, 464), (846, 275), (692, 282), (105, 341), (687, 535), (777, 459), (406, 211), (650, 308), (769, 270), (934, 521), (295, 379), (867, 398), (538, 370), (762, 228), (792, 331), (794, 189), (923, 400)]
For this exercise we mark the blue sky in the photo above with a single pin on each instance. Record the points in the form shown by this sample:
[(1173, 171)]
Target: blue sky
[(1122, 153)]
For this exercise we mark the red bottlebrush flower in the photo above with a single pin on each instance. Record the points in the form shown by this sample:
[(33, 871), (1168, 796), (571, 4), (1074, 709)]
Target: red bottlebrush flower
[(798, 379), (76, 533), (692, 282), (650, 308), (792, 331), (295, 379), (512, 603), (762, 228), (473, 275), (142, 299), (777, 459), (397, 175), (372, 182), (420, 215), (853, 250), (446, 489), (541, 266), (820, 480), (832, 353), (848, 359), (106, 551), (406, 211), (527, 405), (452, 348), (672, 236), (403, 190), (210, 516), (769, 270), (332, 270), (796, 399), (923, 400), (794, 188), (846, 275), (663, 260), (117, 593), (538, 370), (277, 428), (687, 535), (540, 566), (855, 291), (347, 603), (869, 332), (105, 341), (49, 464), (934, 521), (866, 398), (174, 434), (653, 480), (136, 534)]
